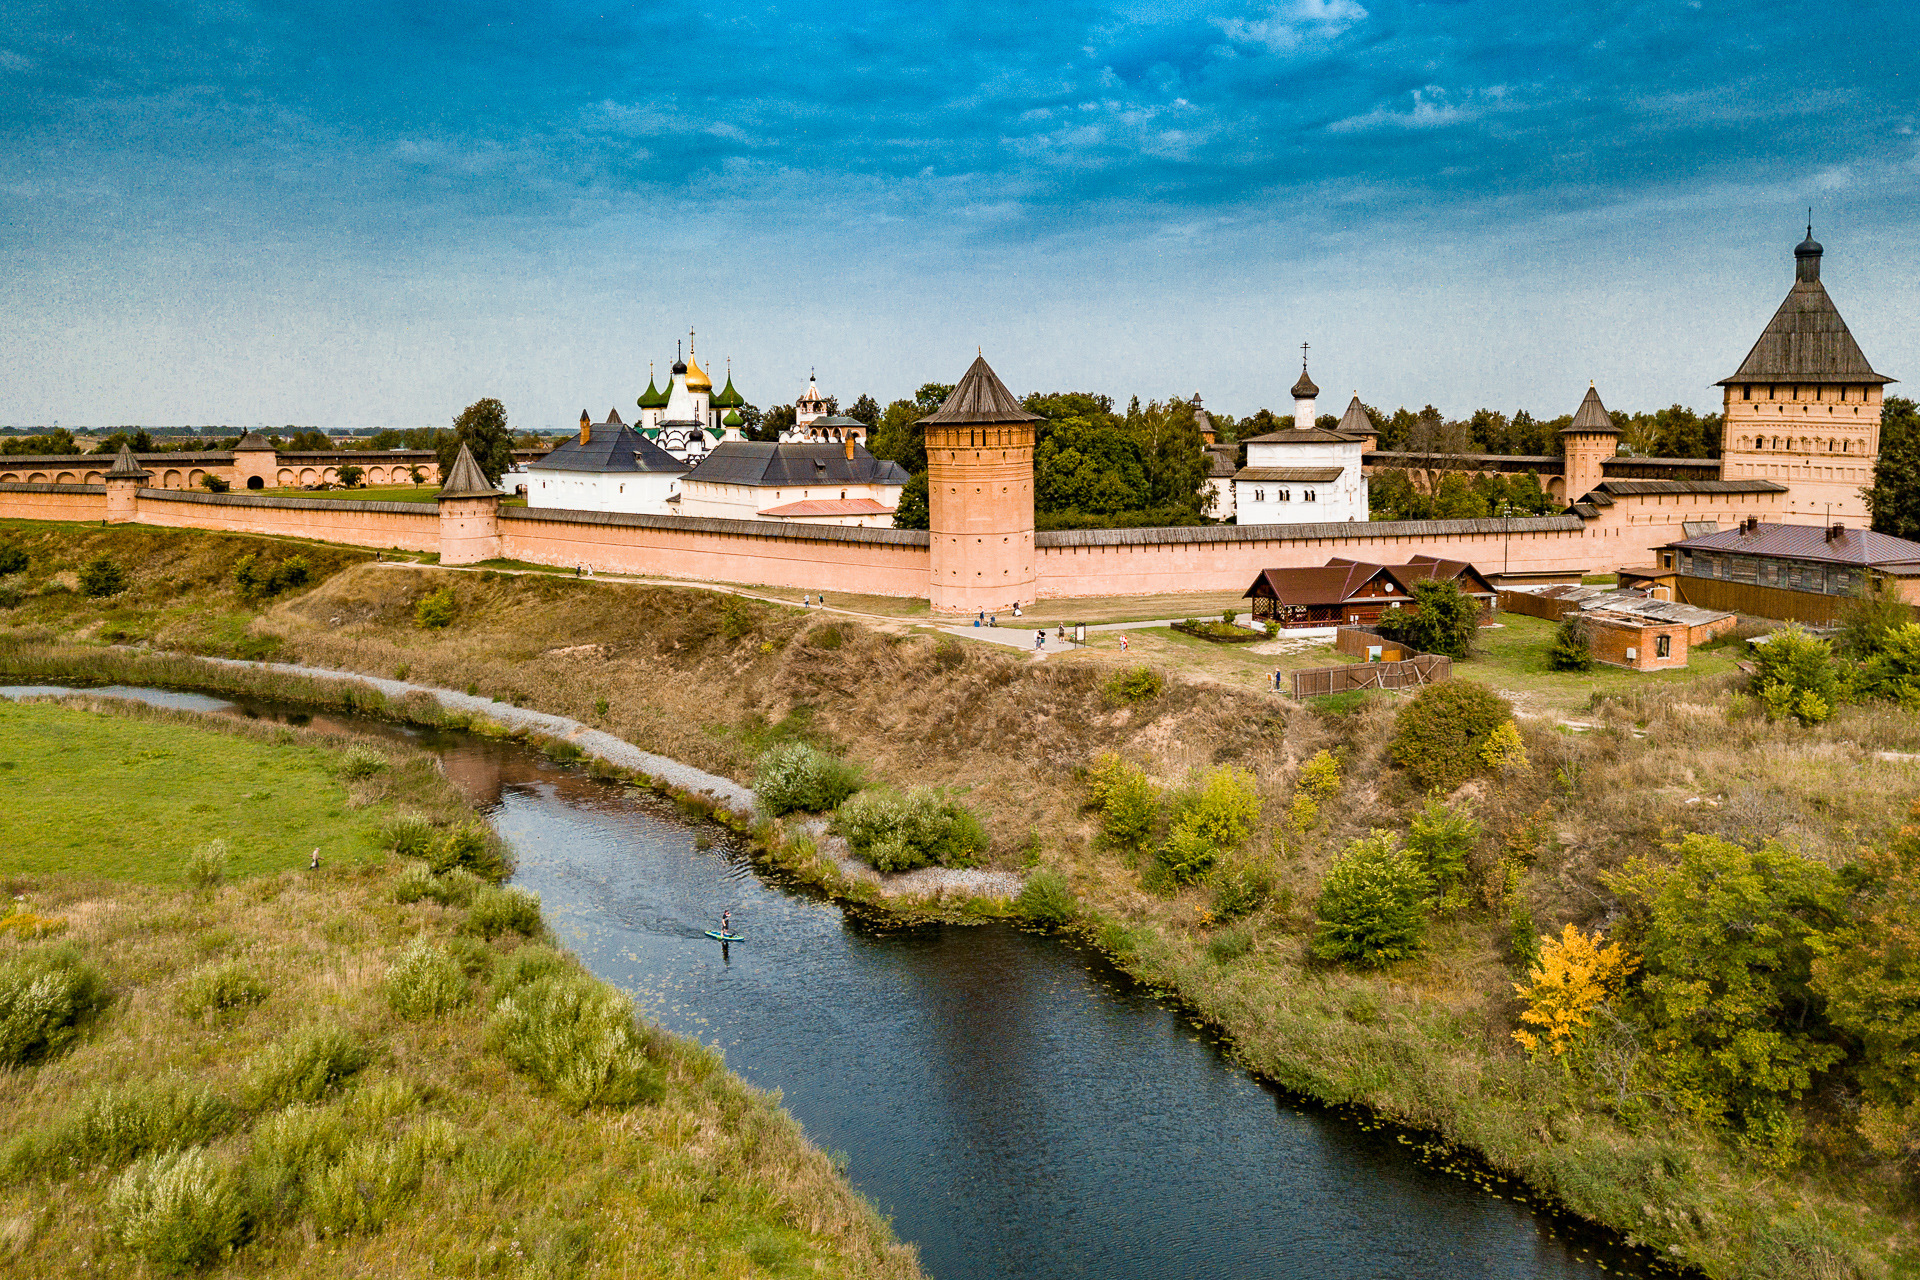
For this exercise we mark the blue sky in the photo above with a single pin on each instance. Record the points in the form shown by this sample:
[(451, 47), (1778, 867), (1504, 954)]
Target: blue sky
[(219, 211)]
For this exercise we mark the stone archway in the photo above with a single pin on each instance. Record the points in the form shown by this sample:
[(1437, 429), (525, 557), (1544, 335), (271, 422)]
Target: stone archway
[(286, 480), (38, 477), (194, 478), (171, 480), (309, 476), (255, 482), (66, 477), (94, 477), (11, 477)]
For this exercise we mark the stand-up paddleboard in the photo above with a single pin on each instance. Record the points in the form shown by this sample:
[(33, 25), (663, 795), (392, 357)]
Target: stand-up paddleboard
[(725, 937)]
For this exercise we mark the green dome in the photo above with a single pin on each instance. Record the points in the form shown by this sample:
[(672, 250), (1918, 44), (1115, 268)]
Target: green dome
[(732, 419), (654, 399), (729, 399)]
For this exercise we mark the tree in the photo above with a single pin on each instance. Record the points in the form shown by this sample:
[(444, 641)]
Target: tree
[(56, 442), (102, 576), (1726, 937), (897, 437), (1794, 676), (1369, 912), (482, 427), (866, 409), (137, 440), (1442, 619), (1575, 976), (1571, 648), (778, 421), (1210, 822), (1439, 840), (1894, 498), (350, 475), (913, 513), (1437, 737)]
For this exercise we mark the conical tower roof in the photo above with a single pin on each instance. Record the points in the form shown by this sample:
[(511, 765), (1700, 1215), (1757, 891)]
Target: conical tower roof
[(1806, 341), (125, 467), (1591, 417), (467, 480), (980, 397), (253, 440), (1355, 422)]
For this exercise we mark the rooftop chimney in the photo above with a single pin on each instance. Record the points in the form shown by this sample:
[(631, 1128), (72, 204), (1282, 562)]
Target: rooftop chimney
[(586, 428), (849, 446), (1836, 532)]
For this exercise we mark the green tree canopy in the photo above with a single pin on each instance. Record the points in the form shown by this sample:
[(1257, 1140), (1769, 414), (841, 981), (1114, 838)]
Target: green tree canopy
[(1894, 498), (482, 427), (59, 441), (866, 409)]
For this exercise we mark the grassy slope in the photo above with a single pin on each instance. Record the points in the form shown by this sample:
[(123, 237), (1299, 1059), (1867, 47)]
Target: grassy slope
[(715, 1180), (707, 679)]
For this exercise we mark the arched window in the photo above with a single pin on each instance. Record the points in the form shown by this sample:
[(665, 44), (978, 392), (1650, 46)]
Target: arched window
[(1307, 496)]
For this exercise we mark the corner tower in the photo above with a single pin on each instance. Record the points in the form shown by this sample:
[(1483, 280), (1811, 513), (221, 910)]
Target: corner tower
[(1804, 408), (1590, 439), (980, 497)]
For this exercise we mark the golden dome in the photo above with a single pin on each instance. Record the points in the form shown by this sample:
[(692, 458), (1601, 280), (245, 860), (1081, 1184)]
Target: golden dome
[(697, 380)]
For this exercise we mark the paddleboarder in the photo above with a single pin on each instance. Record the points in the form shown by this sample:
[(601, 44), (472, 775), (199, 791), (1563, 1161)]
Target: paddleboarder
[(726, 923)]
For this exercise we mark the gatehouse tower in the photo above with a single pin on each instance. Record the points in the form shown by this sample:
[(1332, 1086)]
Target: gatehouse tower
[(980, 497)]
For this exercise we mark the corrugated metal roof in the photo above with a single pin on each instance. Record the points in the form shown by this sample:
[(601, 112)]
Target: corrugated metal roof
[(1698, 528), (1693, 464), (1342, 530), (1640, 608), (610, 447), (1808, 542), (793, 463), (829, 507), (980, 397), (1291, 475)]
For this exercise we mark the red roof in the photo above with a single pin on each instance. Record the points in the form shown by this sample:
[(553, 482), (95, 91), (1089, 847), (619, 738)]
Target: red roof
[(1808, 542), (1334, 583), (830, 507), (1423, 567)]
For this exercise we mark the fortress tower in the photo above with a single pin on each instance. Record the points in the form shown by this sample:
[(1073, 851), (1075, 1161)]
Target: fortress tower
[(1804, 408), (980, 497), (1591, 438)]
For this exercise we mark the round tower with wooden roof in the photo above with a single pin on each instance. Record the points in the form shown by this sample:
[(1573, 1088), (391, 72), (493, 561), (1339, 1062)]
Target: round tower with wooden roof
[(1591, 438), (980, 497)]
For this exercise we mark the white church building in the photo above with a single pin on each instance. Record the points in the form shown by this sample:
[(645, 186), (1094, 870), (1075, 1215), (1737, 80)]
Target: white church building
[(1308, 474), (607, 467), (686, 418)]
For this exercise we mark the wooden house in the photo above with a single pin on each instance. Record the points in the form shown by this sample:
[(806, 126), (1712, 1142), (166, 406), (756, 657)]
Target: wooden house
[(1425, 568), (1336, 594)]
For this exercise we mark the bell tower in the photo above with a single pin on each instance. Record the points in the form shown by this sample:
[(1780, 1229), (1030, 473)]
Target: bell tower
[(980, 497), (1590, 439)]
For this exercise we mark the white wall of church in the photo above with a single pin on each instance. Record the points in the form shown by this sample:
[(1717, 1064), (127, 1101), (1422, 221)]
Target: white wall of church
[(746, 502), (635, 492), (1293, 502)]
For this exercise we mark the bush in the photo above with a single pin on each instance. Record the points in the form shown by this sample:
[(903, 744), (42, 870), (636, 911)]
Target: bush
[(1570, 649), (207, 865), (1503, 751), (1227, 616), (424, 982), (895, 832), (498, 909), (1438, 736), (1442, 619), (407, 834), (1439, 840), (1241, 888), (1134, 685), (1209, 822), (220, 991), (1794, 676), (115, 1125), (214, 484), (525, 966), (46, 997), (1047, 899), (1319, 782), (177, 1211), (1128, 804), (473, 847), (436, 609), (795, 777), (102, 576), (259, 581), (828, 638), (305, 1066), (362, 761), (13, 558), (575, 1037), (414, 883), (373, 1179), (1370, 905)]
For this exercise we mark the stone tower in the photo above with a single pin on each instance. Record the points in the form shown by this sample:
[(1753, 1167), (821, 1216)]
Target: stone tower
[(469, 514), (1305, 394), (1804, 408), (1591, 438), (123, 487), (980, 497)]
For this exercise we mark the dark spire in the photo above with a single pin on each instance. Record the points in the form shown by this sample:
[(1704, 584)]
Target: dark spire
[(467, 480), (1304, 388), (126, 468), (1806, 256), (1591, 418), (980, 397)]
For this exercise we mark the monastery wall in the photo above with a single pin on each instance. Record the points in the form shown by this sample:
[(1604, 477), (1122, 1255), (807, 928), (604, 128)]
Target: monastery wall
[(410, 526), (80, 502)]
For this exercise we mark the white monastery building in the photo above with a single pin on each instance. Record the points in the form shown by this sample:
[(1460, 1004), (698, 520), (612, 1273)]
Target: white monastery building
[(1306, 475), (785, 480), (607, 467)]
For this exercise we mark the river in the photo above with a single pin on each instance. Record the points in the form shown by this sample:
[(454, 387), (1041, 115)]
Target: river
[(1016, 1105)]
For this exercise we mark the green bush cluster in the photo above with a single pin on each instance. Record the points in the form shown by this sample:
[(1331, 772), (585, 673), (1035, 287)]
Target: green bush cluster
[(436, 610), (1128, 804), (362, 760), (1047, 899), (305, 1065), (13, 558), (408, 834), (798, 777), (425, 981), (895, 831), (220, 991), (499, 909), (473, 847), (1442, 619), (1571, 649), (178, 1210), (1795, 676), (1241, 887), (1370, 910), (1133, 686), (258, 581), (1209, 821), (146, 1116), (207, 865), (1439, 839), (1439, 736), (47, 997), (576, 1038), (102, 576)]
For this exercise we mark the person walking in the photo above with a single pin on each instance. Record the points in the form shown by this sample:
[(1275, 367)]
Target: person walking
[(1123, 642), (1040, 638)]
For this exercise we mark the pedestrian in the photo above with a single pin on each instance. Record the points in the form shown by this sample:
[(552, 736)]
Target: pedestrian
[(823, 601), (994, 621), (315, 864), (1123, 642), (1040, 638)]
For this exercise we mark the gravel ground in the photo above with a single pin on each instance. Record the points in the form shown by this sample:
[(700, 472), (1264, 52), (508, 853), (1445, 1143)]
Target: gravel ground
[(926, 882)]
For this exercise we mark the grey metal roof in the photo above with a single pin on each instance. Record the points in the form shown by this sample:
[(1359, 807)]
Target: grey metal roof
[(1807, 542), (980, 397), (1644, 609), (1630, 460), (1698, 528), (1290, 475), (1344, 530), (787, 530), (1628, 488), (1302, 435), (611, 446), (1591, 417), (1806, 341), (789, 464)]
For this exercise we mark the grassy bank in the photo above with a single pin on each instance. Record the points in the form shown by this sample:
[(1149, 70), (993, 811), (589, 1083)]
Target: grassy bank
[(371, 1069), (713, 680)]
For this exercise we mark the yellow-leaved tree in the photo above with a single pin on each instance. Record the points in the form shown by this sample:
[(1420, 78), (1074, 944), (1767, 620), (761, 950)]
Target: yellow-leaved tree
[(1576, 975)]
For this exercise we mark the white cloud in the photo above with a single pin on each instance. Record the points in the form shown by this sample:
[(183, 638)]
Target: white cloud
[(1432, 109), (11, 61), (1293, 23)]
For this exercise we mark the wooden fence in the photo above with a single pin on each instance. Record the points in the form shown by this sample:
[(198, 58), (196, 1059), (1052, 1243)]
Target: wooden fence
[(1426, 668)]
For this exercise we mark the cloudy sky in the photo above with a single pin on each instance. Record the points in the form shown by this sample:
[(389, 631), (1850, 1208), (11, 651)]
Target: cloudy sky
[(350, 214)]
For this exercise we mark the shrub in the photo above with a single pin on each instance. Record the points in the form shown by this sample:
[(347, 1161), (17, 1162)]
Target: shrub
[(1442, 619), (1370, 905), (294, 1144), (424, 982), (46, 997), (473, 847), (1570, 649), (259, 581), (1319, 781), (13, 558), (414, 883), (1227, 616), (350, 475), (498, 909), (1437, 737), (407, 834), (825, 638), (362, 761), (220, 991), (1273, 629), (102, 576), (1439, 840), (1794, 676), (1134, 685), (1503, 751), (1574, 977), (896, 832), (575, 1037), (177, 1211), (373, 1179), (115, 1125), (436, 609), (1241, 888), (526, 966), (1047, 898), (305, 1066), (1213, 820), (793, 777), (1128, 804), (214, 484), (207, 865)]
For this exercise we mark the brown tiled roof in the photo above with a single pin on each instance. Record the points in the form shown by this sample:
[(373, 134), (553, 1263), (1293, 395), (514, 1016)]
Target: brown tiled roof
[(830, 507), (1290, 475), (980, 397), (1422, 568), (1808, 542), (1329, 584)]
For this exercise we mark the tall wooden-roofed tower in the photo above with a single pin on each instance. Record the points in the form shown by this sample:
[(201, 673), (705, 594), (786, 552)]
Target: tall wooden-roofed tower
[(1804, 408), (980, 497)]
